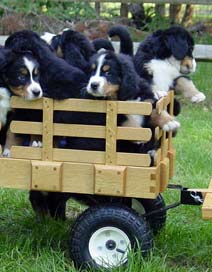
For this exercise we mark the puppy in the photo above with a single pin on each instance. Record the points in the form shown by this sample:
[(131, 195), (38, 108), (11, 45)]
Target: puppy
[(19, 75), (72, 46), (164, 57), (59, 80)]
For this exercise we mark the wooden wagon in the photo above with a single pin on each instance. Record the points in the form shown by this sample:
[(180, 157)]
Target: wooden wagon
[(103, 234)]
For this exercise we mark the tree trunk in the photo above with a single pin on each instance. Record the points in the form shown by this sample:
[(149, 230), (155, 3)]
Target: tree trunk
[(174, 13), (187, 18), (160, 10), (124, 10), (97, 8)]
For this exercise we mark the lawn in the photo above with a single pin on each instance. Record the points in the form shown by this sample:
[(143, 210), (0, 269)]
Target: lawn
[(185, 245)]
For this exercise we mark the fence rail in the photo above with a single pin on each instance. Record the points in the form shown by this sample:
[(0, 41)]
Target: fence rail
[(193, 2)]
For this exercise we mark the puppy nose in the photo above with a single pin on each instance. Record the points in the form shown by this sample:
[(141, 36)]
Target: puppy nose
[(36, 93), (94, 86)]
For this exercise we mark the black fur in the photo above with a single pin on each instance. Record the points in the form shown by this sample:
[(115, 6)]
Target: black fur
[(126, 44)]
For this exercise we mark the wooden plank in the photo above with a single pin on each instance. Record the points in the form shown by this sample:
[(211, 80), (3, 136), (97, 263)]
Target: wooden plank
[(172, 159), (110, 180), (133, 159), (82, 105), (46, 176), (47, 137), (139, 182), (25, 152), (134, 107), (78, 178), (164, 174), (134, 134), (111, 131), (20, 103), (22, 127), (207, 204), (203, 52), (73, 130), (15, 173), (83, 156)]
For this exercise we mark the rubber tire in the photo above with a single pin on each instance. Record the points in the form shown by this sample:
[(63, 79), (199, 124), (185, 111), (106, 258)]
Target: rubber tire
[(114, 215), (156, 221)]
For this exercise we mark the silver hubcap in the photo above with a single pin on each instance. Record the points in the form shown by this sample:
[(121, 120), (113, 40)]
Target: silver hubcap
[(109, 247)]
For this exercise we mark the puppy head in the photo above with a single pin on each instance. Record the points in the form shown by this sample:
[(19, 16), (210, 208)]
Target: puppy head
[(22, 76), (105, 77), (187, 65), (179, 42), (113, 76)]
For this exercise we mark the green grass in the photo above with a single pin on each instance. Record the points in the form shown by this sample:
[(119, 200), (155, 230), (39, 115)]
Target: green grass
[(185, 245)]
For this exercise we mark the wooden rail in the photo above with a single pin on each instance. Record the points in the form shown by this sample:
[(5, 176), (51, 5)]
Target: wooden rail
[(195, 2)]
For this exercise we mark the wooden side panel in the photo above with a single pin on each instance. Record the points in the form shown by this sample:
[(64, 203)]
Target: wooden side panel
[(47, 139), (80, 105), (172, 158), (110, 180), (134, 134), (133, 159), (78, 178), (141, 182), (207, 205), (46, 176), (111, 133), (164, 174), (20, 103), (127, 107), (15, 173), (25, 152), (71, 155), (79, 130), (26, 127)]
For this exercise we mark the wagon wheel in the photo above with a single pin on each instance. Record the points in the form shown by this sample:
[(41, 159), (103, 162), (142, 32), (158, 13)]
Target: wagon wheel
[(156, 221), (102, 236)]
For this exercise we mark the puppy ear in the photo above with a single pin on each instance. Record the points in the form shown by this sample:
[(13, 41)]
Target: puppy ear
[(178, 45), (129, 78), (5, 57)]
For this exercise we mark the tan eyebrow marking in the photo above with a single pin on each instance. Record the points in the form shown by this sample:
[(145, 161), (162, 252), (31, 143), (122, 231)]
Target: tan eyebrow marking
[(93, 66), (24, 71), (106, 68)]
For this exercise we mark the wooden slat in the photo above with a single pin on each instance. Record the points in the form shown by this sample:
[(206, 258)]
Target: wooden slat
[(134, 134), (139, 182), (18, 102), (164, 174), (110, 180), (207, 205), (15, 173), (133, 107), (47, 137), (22, 127), (25, 152), (84, 156), (81, 105), (111, 131), (133, 159), (79, 130), (78, 178)]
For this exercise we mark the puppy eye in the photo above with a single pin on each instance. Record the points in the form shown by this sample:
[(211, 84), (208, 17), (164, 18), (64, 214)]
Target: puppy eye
[(36, 72), (107, 73), (21, 77)]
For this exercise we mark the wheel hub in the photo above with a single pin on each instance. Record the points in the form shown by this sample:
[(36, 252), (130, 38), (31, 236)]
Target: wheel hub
[(109, 247)]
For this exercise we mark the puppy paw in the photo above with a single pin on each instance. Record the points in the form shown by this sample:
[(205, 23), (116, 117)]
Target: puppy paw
[(6, 153), (36, 144), (172, 125), (160, 94), (198, 98)]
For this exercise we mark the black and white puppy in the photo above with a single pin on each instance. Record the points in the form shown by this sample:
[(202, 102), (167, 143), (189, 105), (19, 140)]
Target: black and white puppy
[(165, 56), (72, 46), (19, 75)]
